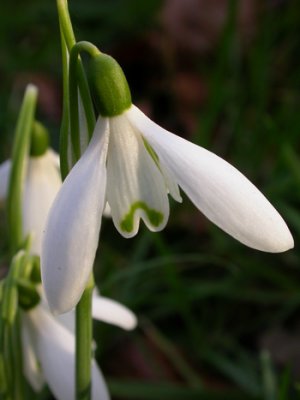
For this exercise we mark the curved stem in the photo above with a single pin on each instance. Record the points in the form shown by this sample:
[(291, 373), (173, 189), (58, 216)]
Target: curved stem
[(85, 46), (76, 77), (68, 42)]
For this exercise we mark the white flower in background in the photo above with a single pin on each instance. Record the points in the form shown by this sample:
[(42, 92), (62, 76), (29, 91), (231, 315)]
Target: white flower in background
[(4, 179), (133, 164), (42, 182), (49, 347), (48, 341)]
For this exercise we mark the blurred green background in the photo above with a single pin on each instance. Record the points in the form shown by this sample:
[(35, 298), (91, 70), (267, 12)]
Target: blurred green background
[(216, 320)]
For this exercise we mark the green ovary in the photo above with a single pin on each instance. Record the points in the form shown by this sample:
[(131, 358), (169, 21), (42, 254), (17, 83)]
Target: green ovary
[(155, 217)]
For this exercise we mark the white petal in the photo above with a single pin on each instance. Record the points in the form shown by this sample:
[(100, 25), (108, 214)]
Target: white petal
[(4, 179), (135, 186), (53, 158), (171, 183), (56, 352), (107, 211), (73, 225), (218, 189), (112, 312), (41, 186), (32, 368), (68, 320)]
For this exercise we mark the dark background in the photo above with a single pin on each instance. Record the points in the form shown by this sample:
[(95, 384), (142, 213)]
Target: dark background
[(216, 320)]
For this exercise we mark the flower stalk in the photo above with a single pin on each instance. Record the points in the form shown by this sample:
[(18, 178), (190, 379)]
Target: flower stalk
[(68, 42), (65, 23), (10, 339), (17, 356), (10, 336), (64, 128), (83, 343), (20, 151), (77, 78)]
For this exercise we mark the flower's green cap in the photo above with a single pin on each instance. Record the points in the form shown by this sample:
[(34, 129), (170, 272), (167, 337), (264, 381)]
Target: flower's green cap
[(109, 86), (28, 295), (39, 140)]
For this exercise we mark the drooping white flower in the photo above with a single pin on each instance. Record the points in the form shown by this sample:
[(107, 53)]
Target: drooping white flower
[(42, 182), (49, 347), (133, 164), (49, 341)]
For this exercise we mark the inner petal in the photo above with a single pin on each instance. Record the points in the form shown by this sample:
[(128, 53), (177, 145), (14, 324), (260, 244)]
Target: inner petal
[(170, 182), (135, 186)]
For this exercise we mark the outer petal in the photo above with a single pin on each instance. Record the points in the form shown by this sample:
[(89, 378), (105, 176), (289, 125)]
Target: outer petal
[(218, 189), (56, 352), (171, 183), (41, 186), (112, 312), (67, 320), (53, 158), (72, 229), (4, 179), (32, 368), (106, 310), (135, 186), (107, 211)]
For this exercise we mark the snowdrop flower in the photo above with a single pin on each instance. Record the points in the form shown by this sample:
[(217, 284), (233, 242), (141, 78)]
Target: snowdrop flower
[(49, 347), (42, 182), (48, 341), (133, 164)]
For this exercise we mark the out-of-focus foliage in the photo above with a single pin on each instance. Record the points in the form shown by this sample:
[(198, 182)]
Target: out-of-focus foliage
[(217, 320)]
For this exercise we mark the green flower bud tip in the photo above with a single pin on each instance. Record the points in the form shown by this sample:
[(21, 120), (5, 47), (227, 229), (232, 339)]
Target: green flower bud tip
[(155, 217), (36, 270), (39, 140), (109, 86), (28, 294)]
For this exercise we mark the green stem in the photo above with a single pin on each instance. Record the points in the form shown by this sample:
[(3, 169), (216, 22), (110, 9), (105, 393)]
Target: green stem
[(83, 343), (8, 361), (73, 104), (65, 123), (65, 23), (82, 81), (86, 99), (17, 353), (4, 379), (68, 42), (11, 345), (18, 165), (75, 78)]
